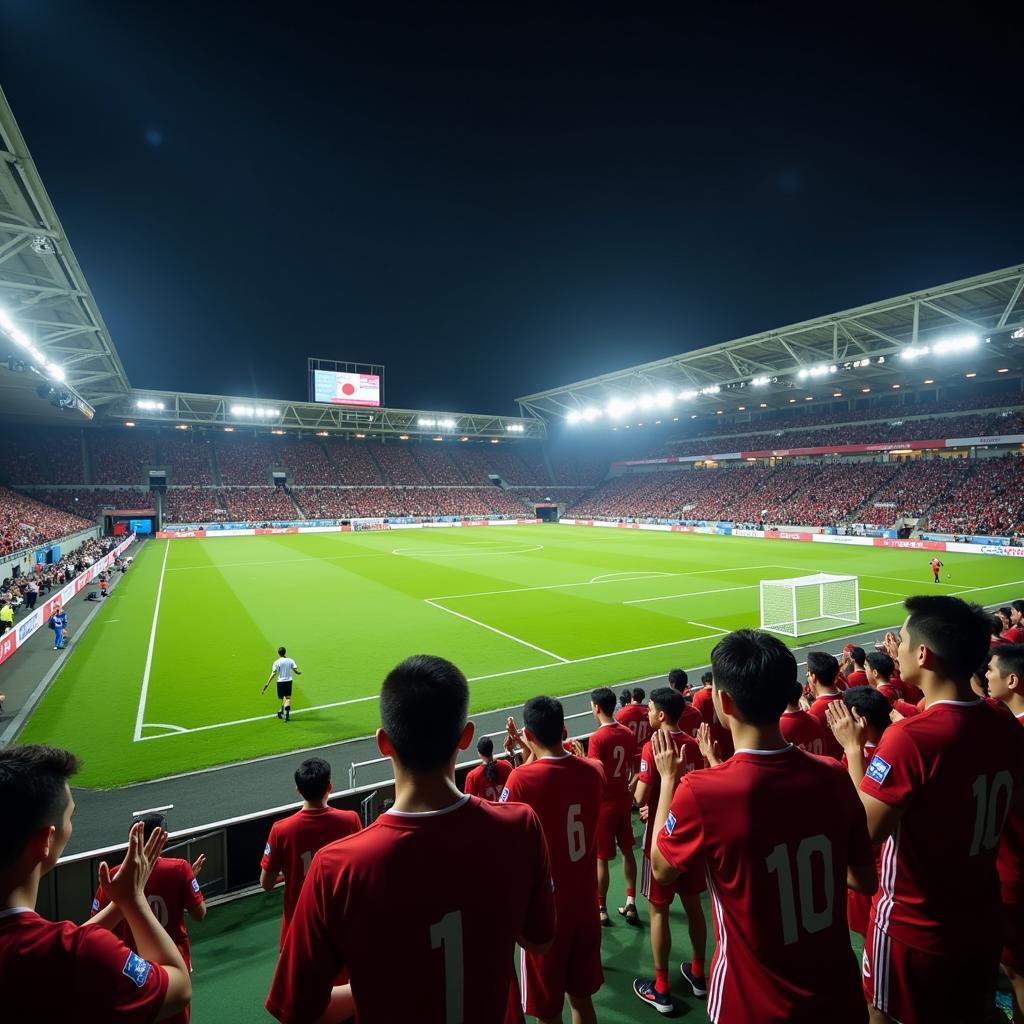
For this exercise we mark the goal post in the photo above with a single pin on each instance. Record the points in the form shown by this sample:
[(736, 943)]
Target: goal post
[(809, 604)]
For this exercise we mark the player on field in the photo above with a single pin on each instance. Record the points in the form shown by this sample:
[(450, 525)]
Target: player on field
[(858, 721), (56, 970), (487, 780), (293, 840), (614, 746), (400, 905), (171, 891), (283, 668), (800, 728), (1006, 684), (937, 792), (665, 707), (566, 793), (778, 834), (635, 717), (822, 671), (702, 699), (935, 565), (690, 719)]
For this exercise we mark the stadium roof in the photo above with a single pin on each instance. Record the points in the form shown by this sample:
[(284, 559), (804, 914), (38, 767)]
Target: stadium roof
[(965, 326), (42, 288)]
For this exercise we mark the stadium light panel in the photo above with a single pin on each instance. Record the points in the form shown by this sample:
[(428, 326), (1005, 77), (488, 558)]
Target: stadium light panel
[(403, 437), (663, 399), (129, 423), (711, 390), (591, 414), (1004, 369), (764, 405), (229, 430), (687, 395), (494, 440), (574, 417), (929, 381), (55, 372), (760, 382), (970, 376)]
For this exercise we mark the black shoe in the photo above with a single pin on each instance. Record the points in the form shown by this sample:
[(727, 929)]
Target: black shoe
[(606, 921), (661, 1001), (629, 913), (280, 714), (698, 984)]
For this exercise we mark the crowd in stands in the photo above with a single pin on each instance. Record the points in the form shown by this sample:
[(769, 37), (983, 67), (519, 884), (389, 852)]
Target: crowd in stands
[(247, 461), (194, 505), (988, 501), (121, 457), (353, 464), (252, 504), (398, 466), (186, 455), (870, 794), (347, 502), (41, 455), (89, 501), (306, 461), (438, 466), (25, 522), (579, 470)]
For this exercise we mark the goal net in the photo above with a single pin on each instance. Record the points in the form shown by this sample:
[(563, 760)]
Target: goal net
[(809, 604)]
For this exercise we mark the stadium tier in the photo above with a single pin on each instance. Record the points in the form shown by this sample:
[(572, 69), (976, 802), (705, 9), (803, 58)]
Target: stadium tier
[(26, 523)]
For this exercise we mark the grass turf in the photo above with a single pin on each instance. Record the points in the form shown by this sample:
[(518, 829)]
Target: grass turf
[(522, 610)]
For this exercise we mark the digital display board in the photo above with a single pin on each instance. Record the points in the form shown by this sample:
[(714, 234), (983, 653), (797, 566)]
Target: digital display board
[(335, 388), (140, 525)]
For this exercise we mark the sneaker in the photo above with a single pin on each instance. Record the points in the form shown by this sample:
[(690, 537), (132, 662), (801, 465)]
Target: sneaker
[(645, 991), (602, 913), (629, 913), (280, 714), (697, 982)]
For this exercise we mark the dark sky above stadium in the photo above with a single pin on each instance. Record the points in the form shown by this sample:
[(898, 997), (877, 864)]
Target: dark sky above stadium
[(496, 198)]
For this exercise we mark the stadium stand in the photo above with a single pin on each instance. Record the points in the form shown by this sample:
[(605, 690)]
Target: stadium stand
[(194, 505), (306, 461), (438, 466), (247, 461), (398, 466), (122, 456), (187, 458), (990, 500), (353, 463), (88, 501), (25, 522), (345, 502), (42, 455)]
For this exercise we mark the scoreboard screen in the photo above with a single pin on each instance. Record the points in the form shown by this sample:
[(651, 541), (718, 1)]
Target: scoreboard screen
[(335, 388)]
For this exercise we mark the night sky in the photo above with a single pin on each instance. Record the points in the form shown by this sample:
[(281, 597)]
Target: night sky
[(494, 199)]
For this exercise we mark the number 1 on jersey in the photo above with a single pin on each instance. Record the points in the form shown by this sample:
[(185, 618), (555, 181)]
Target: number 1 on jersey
[(447, 936)]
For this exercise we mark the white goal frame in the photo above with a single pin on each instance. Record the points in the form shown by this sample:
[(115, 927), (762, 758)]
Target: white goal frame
[(784, 606)]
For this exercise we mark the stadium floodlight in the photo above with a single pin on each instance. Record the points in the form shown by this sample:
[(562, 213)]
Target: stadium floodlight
[(151, 405), (573, 417), (687, 395), (663, 398), (912, 352), (957, 343), (760, 382), (646, 401), (424, 421), (590, 414), (619, 407), (712, 389), (55, 372)]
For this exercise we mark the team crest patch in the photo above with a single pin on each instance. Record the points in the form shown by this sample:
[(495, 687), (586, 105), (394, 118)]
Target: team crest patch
[(195, 885), (670, 823), (95, 906), (503, 799), (137, 969), (878, 769), (643, 766), (266, 850)]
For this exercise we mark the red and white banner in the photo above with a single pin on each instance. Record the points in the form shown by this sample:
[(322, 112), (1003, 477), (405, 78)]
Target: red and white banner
[(15, 638), (364, 525)]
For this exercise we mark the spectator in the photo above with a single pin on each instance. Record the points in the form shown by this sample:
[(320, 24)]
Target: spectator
[(58, 970), (6, 616)]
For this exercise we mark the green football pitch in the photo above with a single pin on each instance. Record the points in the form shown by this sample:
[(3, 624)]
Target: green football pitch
[(168, 676)]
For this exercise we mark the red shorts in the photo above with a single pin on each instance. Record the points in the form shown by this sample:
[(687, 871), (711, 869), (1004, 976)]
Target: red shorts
[(930, 988), (662, 896), (858, 909), (572, 965), (1013, 937), (615, 827)]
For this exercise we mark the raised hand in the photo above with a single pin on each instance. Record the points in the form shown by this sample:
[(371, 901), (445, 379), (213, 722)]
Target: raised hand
[(847, 727), (126, 887), (666, 758), (197, 864), (708, 747)]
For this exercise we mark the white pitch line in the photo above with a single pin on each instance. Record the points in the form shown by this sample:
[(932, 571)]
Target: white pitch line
[(958, 593), (494, 629), (623, 577), (591, 583), (149, 654), (706, 625), (164, 725), (692, 593)]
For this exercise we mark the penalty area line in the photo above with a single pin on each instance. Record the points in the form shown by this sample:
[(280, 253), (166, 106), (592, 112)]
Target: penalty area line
[(494, 629), (149, 654)]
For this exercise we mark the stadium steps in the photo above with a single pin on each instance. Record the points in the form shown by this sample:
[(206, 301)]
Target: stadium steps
[(291, 497), (868, 502), (211, 451), (385, 479)]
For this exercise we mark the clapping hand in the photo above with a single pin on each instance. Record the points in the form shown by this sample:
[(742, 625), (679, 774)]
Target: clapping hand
[(708, 747), (513, 741), (846, 725), (667, 759), (197, 864), (128, 884)]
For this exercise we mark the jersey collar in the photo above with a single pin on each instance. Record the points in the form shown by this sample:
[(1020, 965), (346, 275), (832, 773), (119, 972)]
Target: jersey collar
[(10, 912), (766, 753), (430, 814)]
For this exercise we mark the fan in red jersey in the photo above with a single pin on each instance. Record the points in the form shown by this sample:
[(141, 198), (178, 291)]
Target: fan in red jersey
[(778, 834), (702, 700), (665, 707), (1006, 684), (937, 792), (1015, 633), (614, 746), (822, 673), (566, 793), (690, 719), (634, 716), (487, 779), (800, 728), (294, 840), (393, 896), (851, 666), (880, 670), (172, 890), (858, 721), (56, 970)]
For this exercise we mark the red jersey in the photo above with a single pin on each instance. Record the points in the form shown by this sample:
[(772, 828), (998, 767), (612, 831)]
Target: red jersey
[(690, 720), (477, 784), (856, 678), (57, 971), (805, 732), (935, 564), (817, 711), (444, 894), (171, 890), (890, 692), (615, 747), (774, 832), (1010, 860), (704, 704), (294, 840), (953, 769), (693, 760), (566, 793), (1014, 635), (635, 718)]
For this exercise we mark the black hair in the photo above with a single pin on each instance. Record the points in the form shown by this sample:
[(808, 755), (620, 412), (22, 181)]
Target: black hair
[(1004, 609), (758, 671), (670, 702), (857, 654), (626, 697), (423, 705), (485, 748), (678, 678), (32, 794), (151, 821), (312, 778), (796, 693), (995, 625), (881, 663), (870, 705), (1019, 605), (604, 699), (707, 677), (953, 630), (824, 666), (544, 717), (638, 695), (281, 651), (1010, 658)]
